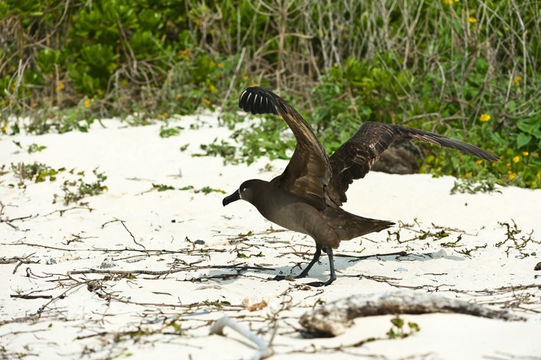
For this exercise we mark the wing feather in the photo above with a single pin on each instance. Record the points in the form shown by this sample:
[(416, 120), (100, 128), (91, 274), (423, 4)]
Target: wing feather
[(354, 159), (309, 169)]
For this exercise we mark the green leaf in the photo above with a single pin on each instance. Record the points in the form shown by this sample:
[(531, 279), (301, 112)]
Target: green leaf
[(398, 322), (523, 139)]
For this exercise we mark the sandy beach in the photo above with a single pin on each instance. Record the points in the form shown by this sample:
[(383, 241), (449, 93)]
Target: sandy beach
[(139, 273)]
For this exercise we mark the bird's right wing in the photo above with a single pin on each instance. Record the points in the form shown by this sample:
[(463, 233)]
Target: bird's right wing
[(309, 170)]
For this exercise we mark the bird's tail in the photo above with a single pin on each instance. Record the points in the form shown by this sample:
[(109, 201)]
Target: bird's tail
[(349, 226), (363, 226)]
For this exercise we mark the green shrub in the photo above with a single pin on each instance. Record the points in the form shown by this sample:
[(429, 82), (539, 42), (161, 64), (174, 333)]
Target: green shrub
[(437, 65)]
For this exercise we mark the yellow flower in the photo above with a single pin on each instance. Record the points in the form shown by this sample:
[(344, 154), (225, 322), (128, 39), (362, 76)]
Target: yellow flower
[(468, 174), (512, 176), (517, 79), (159, 116), (255, 84), (494, 163), (478, 162), (538, 176), (60, 86), (472, 19), (516, 159), (164, 115), (484, 117), (533, 183), (245, 77), (220, 65), (508, 165), (525, 153), (178, 96), (4, 128), (206, 102), (87, 103)]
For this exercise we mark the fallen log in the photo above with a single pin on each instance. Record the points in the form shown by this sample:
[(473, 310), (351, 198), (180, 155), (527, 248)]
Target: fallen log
[(335, 318)]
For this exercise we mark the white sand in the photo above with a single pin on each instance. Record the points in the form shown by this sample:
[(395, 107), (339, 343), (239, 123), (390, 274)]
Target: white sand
[(132, 315)]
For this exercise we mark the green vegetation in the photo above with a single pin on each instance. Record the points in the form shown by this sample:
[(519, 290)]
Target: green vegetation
[(397, 331), (36, 172), (166, 132), (514, 239), (75, 190), (35, 148), (205, 189), (469, 69)]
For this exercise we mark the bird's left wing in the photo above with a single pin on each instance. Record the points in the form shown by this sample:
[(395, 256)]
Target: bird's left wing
[(356, 156)]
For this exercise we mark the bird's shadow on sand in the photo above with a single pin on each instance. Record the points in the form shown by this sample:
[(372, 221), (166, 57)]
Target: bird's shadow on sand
[(321, 268)]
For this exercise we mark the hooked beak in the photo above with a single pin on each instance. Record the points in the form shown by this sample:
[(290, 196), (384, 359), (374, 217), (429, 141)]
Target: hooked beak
[(229, 199)]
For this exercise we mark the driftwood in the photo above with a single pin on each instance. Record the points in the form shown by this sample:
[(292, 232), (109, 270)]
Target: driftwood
[(335, 318)]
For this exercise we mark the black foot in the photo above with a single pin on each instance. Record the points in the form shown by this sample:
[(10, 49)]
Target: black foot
[(282, 277), (321, 283)]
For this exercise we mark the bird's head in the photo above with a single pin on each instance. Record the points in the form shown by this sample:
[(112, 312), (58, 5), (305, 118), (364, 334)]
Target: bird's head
[(245, 191)]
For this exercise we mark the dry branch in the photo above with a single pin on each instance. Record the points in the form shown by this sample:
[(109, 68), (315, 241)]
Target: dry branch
[(336, 317), (167, 272)]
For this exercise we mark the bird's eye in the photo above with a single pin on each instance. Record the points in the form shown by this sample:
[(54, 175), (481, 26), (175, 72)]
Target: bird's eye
[(243, 189)]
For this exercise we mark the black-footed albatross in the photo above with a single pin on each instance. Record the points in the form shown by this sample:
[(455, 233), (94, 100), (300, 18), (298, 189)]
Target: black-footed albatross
[(307, 196)]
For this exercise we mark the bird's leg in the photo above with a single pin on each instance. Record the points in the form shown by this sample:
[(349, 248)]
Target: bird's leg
[(328, 250), (317, 254)]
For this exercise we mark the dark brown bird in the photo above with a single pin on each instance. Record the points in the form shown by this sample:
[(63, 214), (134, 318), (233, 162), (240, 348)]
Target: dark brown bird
[(307, 196)]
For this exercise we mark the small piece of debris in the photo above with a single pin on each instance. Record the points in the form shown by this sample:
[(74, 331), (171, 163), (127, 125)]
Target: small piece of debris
[(537, 267), (107, 263), (218, 328), (251, 305)]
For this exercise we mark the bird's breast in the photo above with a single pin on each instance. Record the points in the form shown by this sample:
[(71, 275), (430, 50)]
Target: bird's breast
[(291, 213)]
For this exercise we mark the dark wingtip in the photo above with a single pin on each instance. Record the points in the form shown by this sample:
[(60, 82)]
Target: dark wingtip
[(493, 157), (257, 101), (485, 155)]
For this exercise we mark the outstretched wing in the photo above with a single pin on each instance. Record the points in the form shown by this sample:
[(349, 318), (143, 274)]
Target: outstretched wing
[(356, 156), (309, 169)]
